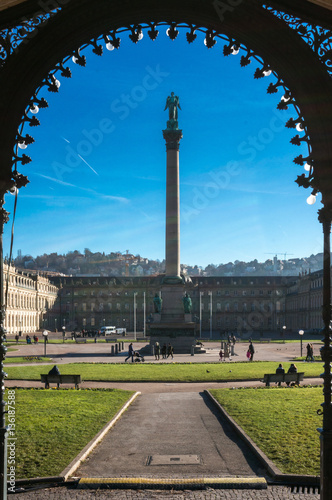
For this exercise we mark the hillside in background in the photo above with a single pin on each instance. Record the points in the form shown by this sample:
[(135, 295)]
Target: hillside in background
[(126, 264)]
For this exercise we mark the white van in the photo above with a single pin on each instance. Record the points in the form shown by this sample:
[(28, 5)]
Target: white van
[(107, 330), (121, 331)]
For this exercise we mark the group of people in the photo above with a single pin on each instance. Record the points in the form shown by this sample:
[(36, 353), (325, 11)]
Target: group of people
[(165, 351), (28, 339), (291, 369)]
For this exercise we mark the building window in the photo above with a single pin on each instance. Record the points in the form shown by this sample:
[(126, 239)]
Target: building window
[(118, 306), (83, 306), (93, 321), (126, 306), (218, 306), (92, 307), (110, 306)]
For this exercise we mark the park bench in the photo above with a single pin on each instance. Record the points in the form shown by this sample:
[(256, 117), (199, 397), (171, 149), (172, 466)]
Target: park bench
[(265, 340), (80, 341), (60, 379), (109, 340), (283, 377)]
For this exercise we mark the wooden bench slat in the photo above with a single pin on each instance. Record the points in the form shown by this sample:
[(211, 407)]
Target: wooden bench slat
[(60, 379)]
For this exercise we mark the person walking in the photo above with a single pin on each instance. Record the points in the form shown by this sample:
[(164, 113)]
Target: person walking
[(130, 353), (251, 349), (311, 353), (157, 350), (170, 350), (164, 351)]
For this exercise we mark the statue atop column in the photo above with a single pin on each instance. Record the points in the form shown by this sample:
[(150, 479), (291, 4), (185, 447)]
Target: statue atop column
[(172, 103)]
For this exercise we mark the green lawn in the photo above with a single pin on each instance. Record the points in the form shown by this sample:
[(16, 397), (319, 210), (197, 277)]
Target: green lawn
[(52, 427), (281, 421), (163, 372)]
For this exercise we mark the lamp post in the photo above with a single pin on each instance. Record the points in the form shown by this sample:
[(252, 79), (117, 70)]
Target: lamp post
[(210, 294), (135, 293), (45, 335), (301, 332), (144, 315), (200, 314)]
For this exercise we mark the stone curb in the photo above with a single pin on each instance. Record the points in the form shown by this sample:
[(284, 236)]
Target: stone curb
[(70, 469), (201, 483), (277, 476)]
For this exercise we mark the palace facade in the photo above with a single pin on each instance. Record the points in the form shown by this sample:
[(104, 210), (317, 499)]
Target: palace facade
[(28, 297), (224, 304), (237, 304)]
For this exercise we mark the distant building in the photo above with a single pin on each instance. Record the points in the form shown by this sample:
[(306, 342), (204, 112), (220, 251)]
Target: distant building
[(29, 298), (242, 304)]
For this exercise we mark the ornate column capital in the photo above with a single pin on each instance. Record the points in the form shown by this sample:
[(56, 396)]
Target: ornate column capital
[(172, 138), (325, 217)]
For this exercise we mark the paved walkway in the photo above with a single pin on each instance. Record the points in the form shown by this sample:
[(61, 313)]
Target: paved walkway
[(184, 425), (101, 352)]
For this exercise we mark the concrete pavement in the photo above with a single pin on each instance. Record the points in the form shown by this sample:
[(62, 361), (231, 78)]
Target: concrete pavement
[(100, 352)]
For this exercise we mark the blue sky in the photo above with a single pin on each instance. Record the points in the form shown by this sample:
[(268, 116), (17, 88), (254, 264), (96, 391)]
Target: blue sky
[(97, 177)]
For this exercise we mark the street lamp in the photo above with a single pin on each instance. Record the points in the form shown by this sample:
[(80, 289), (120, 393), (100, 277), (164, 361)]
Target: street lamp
[(144, 315), (301, 332), (210, 293), (200, 314), (135, 293), (45, 335)]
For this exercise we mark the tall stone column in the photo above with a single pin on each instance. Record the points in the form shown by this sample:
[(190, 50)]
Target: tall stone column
[(172, 138)]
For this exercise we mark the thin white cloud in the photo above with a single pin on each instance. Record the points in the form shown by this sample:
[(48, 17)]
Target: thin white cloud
[(87, 190), (87, 164)]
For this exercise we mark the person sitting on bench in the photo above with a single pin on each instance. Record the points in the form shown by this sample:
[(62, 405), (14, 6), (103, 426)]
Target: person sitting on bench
[(280, 370), (292, 369)]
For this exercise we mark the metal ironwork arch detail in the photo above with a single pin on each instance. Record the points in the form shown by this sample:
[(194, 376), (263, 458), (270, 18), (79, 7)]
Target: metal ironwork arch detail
[(11, 38), (318, 38)]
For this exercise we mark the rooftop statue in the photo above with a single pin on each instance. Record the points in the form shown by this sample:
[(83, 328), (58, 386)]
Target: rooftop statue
[(172, 103)]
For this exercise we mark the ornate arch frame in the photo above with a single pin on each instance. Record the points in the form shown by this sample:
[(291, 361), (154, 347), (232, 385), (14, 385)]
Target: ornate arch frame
[(288, 41)]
